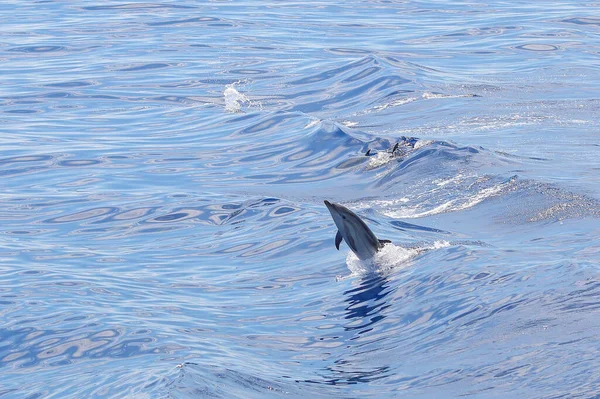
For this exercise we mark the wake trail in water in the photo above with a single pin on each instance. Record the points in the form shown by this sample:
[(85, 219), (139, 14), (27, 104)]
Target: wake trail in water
[(390, 258)]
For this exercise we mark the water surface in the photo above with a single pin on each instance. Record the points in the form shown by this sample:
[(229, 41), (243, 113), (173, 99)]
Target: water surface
[(164, 166)]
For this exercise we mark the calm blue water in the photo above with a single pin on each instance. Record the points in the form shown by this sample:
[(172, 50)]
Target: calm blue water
[(164, 166)]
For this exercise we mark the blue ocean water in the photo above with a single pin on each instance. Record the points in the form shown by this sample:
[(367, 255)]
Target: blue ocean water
[(164, 166)]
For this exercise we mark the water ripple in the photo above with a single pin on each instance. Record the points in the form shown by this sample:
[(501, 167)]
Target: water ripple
[(163, 232)]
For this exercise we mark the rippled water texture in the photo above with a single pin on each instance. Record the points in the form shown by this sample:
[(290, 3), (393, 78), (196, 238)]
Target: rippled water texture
[(164, 166)]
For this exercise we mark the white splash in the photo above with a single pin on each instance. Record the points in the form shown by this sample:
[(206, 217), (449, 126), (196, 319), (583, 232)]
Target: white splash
[(384, 157), (381, 158), (313, 122), (234, 99), (456, 179), (430, 96), (416, 212), (350, 124), (391, 207), (395, 103), (390, 257), (423, 143)]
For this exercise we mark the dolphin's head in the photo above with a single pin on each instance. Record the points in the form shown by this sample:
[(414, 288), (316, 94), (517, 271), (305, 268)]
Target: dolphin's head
[(354, 231)]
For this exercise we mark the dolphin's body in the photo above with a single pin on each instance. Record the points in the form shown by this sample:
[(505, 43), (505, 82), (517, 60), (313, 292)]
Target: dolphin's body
[(354, 231)]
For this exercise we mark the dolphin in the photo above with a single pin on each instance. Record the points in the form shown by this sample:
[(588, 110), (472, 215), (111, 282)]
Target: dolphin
[(354, 231)]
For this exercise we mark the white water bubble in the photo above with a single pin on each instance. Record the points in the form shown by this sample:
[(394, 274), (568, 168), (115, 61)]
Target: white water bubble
[(390, 257), (234, 99)]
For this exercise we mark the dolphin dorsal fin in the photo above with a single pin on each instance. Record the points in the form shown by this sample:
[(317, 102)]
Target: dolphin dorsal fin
[(338, 240), (383, 242)]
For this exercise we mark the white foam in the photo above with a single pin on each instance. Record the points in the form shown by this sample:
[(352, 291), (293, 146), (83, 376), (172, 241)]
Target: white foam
[(422, 143), (456, 179), (234, 99), (456, 204), (390, 257), (380, 158), (394, 103), (416, 212), (430, 96), (312, 123), (482, 195), (350, 124)]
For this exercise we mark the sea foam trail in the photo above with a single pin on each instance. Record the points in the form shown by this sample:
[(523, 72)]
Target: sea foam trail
[(390, 257)]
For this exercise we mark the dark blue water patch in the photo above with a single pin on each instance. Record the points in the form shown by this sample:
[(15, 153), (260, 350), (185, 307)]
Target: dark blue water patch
[(332, 73), (227, 206), (83, 215), (211, 381), (156, 230), (235, 213), (264, 48), (79, 162), (583, 21), (50, 203), (76, 83), (26, 158), (410, 226), (58, 94), (378, 85), (351, 163), (128, 348), (32, 101), (264, 202), (343, 377), (175, 216), (366, 303), (514, 156), (537, 47), (268, 123), (175, 99), (38, 49), (67, 107), (145, 67), (30, 347), (22, 171), (264, 155), (21, 111), (347, 51), (102, 97), (401, 93), (136, 6), (25, 232), (466, 313), (195, 20), (362, 74), (222, 25), (249, 71), (283, 211)]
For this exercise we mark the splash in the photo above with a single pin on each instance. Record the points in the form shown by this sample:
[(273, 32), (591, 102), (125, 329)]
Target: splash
[(234, 99), (430, 96), (395, 103), (390, 257), (379, 159), (393, 208), (313, 122)]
